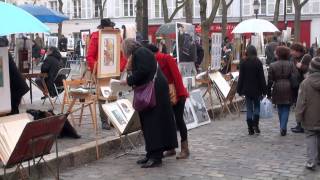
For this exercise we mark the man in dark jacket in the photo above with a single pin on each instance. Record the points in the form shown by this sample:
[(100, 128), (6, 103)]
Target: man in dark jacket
[(271, 47), (307, 112), (18, 85), (187, 49), (63, 42), (51, 65)]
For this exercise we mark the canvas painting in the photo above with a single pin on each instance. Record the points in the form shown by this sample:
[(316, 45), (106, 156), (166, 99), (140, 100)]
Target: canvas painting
[(216, 51), (116, 116), (189, 115), (84, 35), (1, 72), (187, 69), (199, 107), (220, 82), (109, 54), (185, 38), (52, 41), (126, 108)]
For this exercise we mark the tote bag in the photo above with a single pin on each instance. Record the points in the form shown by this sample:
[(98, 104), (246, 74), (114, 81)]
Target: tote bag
[(266, 109)]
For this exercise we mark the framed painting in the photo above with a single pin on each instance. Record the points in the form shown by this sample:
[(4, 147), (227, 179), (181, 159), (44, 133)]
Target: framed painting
[(84, 35), (109, 54), (189, 115), (5, 94), (52, 41), (199, 108)]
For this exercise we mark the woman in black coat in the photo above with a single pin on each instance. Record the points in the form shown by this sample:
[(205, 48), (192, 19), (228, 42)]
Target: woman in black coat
[(51, 65), (158, 125), (252, 85)]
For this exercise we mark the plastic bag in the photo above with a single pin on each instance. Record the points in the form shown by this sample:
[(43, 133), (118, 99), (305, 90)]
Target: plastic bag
[(266, 109)]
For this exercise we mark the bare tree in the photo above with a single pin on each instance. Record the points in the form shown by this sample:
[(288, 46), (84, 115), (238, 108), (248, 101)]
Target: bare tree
[(188, 8), (102, 5), (297, 18), (139, 18), (225, 7), (205, 27), (276, 13), (166, 17), (60, 24)]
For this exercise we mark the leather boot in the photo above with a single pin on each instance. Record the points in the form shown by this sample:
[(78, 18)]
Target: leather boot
[(250, 127), (169, 153), (184, 154), (256, 124)]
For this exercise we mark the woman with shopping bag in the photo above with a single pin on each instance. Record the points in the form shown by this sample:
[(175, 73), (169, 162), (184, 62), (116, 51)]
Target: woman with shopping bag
[(252, 85)]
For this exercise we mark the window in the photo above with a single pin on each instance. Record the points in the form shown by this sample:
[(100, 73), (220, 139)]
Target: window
[(96, 8), (157, 8), (117, 8), (53, 5), (220, 9), (247, 8), (76, 8), (128, 8), (289, 7), (263, 7), (196, 9)]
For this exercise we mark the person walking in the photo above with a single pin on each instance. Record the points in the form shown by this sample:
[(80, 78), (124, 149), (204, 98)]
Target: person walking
[(157, 123), (307, 112), (178, 94), (282, 93), (252, 85), (301, 61), (271, 47)]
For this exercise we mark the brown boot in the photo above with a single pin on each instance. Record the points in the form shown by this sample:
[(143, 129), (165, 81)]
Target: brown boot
[(169, 153), (184, 154)]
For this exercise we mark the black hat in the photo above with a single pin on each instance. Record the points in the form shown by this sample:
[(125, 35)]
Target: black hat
[(106, 23), (315, 65)]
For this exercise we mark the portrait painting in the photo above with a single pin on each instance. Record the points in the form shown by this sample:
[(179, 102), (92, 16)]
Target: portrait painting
[(109, 53), (189, 115), (199, 107), (1, 72), (84, 35), (185, 38)]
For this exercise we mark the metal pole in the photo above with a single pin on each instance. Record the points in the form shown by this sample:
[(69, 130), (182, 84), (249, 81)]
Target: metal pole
[(256, 15), (145, 22), (285, 14)]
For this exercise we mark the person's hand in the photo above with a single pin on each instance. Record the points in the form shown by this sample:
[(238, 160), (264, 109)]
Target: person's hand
[(299, 65), (123, 82)]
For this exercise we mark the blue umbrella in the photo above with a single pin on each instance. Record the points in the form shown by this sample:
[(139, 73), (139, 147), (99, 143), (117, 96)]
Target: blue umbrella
[(44, 14), (16, 20)]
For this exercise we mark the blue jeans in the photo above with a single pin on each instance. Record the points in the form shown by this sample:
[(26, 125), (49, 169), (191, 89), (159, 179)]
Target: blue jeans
[(283, 113), (253, 107)]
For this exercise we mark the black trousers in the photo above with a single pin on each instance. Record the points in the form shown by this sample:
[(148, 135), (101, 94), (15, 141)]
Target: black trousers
[(178, 110), (157, 154)]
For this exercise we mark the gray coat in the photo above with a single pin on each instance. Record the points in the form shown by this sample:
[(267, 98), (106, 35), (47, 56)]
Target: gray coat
[(308, 103)]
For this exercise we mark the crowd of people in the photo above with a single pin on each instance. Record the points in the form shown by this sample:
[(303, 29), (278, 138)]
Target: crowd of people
[(293, 82)]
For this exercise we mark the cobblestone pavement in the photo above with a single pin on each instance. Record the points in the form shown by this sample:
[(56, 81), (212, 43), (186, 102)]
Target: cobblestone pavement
[(220, 150)]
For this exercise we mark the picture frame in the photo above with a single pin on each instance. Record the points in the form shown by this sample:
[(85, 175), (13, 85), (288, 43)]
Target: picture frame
[(199, 106), (5, 93), (84, 35), (221, 83), (109, 53), (189, 115), (185, 38), (52, 41)]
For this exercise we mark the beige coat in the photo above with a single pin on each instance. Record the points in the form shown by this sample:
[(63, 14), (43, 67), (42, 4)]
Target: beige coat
[(308, 103)]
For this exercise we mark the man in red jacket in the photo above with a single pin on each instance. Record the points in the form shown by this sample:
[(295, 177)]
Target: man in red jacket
[(92, 58), (170, 69)]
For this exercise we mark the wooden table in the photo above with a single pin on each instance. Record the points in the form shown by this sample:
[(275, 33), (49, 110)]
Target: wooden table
[(31, 76)]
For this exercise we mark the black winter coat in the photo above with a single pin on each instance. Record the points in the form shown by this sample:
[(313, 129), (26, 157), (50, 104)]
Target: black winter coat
[(251, 82), (51, 65), (158, 125)]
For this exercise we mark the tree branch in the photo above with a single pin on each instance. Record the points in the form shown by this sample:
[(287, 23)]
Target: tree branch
[(176, 10), (304, 3), (214, 10), (165, 11), (229, 4)]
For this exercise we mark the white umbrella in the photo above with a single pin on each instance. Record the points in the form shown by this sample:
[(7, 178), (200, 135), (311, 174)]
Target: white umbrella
[(254, 26)]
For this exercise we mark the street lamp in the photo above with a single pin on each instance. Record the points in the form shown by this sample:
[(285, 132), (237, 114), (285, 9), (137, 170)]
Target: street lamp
[(256, 6)]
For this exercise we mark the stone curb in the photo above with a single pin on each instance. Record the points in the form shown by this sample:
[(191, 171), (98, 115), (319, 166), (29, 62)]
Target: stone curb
[(86, 153)]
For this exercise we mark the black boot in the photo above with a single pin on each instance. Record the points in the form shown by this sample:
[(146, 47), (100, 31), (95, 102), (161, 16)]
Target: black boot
[(250, 128), (256, 128), (297, 129)]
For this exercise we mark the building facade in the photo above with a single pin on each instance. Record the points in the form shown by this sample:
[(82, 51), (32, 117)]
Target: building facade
[(84, 14)]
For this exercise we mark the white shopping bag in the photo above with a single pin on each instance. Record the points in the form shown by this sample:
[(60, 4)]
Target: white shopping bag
[(266, 109)]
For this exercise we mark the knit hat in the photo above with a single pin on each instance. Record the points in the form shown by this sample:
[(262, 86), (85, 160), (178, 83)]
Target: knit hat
[(315, 65)]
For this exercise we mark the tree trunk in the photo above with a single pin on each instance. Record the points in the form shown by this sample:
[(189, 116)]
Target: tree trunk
[(276, 13), (189, 11), (297, 23), (139, 15), (145, 21), (205, 45), (224, 19), (60, 24)]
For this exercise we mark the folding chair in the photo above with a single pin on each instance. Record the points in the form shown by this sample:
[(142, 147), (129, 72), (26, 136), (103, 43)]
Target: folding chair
[(62, 72)]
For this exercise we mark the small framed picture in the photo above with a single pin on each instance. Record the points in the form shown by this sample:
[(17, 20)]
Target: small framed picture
[(84, 35), (52, 41), (109, 54)]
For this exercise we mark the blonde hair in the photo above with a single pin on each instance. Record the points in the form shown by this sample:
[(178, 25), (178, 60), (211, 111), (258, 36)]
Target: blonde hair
[(129, 46)]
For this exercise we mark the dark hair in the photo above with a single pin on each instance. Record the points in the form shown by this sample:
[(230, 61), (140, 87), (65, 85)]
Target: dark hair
[(123, 27), (318, 52), (4, 41), (297, 47), (180, 25), (152, 48), (283, 53), (275, 38), (251, 52)]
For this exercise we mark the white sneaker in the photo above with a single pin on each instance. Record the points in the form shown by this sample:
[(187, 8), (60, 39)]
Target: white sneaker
[(310, 166)]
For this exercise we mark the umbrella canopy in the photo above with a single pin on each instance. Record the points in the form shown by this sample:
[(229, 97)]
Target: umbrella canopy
[(254, 26), (44, 14), (16, 20)]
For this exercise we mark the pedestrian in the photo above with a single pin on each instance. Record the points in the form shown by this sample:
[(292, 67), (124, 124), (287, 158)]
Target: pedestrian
[(92, 58), (51, 66), (252, 85), (301, 61), (63, 43), (178, 94), (36, 52), (280, 87), (163, 47), (157, 123), (39, 41), (271, 47), (307, 112)]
